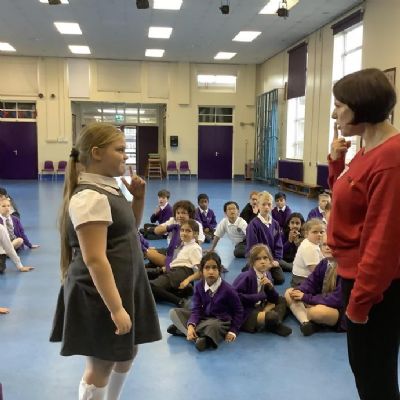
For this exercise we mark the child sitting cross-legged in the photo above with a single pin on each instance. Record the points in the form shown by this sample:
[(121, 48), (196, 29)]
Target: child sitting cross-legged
[(318, 300), (264, 309), (175, 284), (217, 312)]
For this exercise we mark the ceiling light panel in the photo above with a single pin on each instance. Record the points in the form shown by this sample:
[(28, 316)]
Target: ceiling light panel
[(272, 6), (223, 55), (154, 53), (246, 36), (68, 28), (79, 49), (47, 1), (167, 4), (158, 32), (6, 47)]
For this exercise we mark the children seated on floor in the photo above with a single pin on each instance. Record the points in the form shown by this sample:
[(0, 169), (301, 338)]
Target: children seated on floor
[(264, 309), (206, 217), (319, 212), (175, 284), (308, 253), (318, 300), (250, 210), (281, 211), (217, 312), (234, 227)]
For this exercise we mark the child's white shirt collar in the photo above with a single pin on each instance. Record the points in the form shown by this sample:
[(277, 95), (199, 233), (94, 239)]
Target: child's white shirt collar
[(214, 287), (267, 222)]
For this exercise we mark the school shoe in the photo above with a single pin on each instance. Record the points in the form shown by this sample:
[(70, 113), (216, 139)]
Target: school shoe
[(2, 269), (273, 324), (309, 328), (202, 343), (174, 331)]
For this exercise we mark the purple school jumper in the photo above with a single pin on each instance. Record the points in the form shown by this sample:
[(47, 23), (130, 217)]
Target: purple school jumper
[(314, 213), (246, 285), (258, 232), (281, 216), (208, 221), (224, 305), (174, 243), (162, 216), (312, 289), (19, 230)]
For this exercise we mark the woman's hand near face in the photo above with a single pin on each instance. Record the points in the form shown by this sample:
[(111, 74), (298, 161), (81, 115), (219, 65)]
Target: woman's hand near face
[(339, 145)]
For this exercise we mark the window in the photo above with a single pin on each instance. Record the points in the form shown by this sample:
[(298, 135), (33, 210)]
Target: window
[(217, 83), (295, 128), (216, 115), (347, 53), (17, 110)]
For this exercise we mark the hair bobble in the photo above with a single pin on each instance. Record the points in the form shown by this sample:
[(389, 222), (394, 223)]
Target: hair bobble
[(74, 154)]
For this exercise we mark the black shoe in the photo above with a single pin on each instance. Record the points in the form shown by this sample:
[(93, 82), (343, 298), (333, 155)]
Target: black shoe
[(271, 320), (2, 269), (281, 330), (309, 328), (202, 344), (173, 330)]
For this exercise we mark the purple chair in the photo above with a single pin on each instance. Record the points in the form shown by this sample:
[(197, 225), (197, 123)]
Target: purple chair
[(172, 169), (184, 169), (61, 167), (48, 169)]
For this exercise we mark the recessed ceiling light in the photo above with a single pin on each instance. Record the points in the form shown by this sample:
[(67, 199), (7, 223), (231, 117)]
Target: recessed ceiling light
[(79, 49), (273, 5), (167, 4), (158, 32), (154, 52), (6, 47), (246, 36), (68, 28), (223, 55), (47, 1)]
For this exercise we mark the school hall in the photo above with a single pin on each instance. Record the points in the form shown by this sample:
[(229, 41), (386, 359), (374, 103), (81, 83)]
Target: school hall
[(240, 124)]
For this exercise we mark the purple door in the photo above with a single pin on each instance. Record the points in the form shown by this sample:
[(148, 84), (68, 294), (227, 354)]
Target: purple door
[(18, 150), (147, 142), (215, 152)]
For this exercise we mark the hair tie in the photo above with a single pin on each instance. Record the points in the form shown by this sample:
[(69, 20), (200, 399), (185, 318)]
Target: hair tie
[(74, 154)]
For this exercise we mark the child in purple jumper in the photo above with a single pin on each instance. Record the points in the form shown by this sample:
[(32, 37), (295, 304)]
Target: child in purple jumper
[(206, 217)]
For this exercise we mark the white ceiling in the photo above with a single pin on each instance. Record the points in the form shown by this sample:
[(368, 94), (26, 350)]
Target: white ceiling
[(116, 29)]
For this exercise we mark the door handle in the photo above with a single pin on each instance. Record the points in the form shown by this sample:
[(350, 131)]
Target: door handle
[(216, 154), (16, 152)]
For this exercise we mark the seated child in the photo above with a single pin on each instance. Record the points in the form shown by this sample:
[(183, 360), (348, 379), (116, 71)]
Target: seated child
[(206, 217), (263, 308), (264, 229), (7, 249), (14, 210), (281, 211), (216, 313), (308, 253), (235, 228), (250, 210), (292, 236), (161, 214), (182, 271), (319, 212), (13, 225), (318, 300)]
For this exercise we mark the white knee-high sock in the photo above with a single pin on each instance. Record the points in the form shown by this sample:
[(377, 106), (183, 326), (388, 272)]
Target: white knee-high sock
[(299, 311), (91, 392), (116, 384)]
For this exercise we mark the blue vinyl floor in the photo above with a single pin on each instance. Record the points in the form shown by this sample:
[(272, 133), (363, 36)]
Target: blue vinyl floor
[(258, 367)]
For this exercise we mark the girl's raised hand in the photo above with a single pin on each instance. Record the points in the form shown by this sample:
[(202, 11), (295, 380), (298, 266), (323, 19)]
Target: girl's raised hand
[(137, 186), (339, 145)]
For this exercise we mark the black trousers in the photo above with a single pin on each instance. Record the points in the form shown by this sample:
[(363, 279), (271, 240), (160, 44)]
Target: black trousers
[(373, 348)]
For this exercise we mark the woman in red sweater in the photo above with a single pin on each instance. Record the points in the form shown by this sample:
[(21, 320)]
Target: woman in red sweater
[(364, 229)]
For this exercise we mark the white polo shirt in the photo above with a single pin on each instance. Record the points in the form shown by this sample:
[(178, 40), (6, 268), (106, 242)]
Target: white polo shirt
[(236, 231)]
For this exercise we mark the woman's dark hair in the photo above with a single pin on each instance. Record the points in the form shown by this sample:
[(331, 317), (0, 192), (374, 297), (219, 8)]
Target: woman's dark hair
[(212, 255), (368, 93), (298, 215), (186, 205)]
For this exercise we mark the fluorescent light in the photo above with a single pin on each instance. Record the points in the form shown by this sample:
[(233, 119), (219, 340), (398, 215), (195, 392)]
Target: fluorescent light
[(167, 4), (79, 49), (222, 55), (154, 52), (246, 36), (273, 5), (68, 28), (47, 1), (158, 32), (6, 47)]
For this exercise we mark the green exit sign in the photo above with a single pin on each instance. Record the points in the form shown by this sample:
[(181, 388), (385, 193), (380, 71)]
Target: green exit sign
[(119, 118)]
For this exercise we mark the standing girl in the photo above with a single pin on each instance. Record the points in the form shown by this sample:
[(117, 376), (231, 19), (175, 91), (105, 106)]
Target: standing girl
[(105, 307)]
